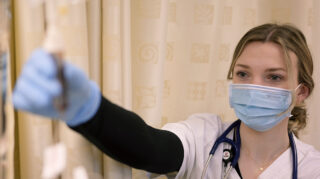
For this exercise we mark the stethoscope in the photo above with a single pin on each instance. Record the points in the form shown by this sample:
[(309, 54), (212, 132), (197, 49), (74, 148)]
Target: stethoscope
[(235, 145)]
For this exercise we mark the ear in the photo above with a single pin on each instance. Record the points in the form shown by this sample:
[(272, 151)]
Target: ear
[(302, 93)]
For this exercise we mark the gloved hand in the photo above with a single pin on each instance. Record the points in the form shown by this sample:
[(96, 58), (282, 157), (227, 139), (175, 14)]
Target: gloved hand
[(38, 86)]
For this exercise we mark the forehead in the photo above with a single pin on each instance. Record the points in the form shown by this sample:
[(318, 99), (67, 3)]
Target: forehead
[(265, 55)]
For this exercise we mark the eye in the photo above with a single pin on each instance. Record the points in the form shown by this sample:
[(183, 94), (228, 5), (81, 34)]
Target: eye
[(275, 77), (242, 74)]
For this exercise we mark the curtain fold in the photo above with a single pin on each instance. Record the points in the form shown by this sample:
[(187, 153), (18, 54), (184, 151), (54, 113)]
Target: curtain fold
[(116, 65), (27, 36)]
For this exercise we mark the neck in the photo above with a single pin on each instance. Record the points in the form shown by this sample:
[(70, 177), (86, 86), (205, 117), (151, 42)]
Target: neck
[(264, 146)]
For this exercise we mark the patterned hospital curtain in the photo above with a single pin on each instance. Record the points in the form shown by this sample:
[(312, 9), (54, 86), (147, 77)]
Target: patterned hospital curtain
[(34, 132), (163, 59)]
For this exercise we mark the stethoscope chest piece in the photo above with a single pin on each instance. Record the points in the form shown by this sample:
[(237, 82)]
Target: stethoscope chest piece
[(227, 156)]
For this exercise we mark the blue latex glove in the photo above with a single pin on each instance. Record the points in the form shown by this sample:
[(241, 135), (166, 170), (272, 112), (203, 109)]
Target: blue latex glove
[(38, 86)]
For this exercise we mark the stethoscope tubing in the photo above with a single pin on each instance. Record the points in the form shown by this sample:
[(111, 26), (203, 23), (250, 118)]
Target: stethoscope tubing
[(294, 156), (223, 139), (237, 144)]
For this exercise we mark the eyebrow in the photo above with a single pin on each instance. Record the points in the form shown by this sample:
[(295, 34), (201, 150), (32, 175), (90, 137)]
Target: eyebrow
[(243, 66), (276, 69), (269, 70)]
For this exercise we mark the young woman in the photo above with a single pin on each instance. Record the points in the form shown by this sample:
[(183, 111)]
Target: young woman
[(271, 73)]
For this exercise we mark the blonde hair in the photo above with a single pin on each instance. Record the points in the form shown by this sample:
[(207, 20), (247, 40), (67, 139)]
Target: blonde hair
[(291, 39)]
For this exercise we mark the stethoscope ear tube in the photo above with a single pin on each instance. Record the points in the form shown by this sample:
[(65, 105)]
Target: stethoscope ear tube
[(221, 139), (235, 145)]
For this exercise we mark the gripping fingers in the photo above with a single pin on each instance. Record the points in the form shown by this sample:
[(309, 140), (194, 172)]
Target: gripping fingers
[(29, 97), (43, 63), (49, 85)]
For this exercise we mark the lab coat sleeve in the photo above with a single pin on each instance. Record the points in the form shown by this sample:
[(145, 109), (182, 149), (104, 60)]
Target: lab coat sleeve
[(125, 137)]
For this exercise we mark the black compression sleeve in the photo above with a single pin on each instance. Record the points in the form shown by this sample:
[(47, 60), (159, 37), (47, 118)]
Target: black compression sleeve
[(125, 137)]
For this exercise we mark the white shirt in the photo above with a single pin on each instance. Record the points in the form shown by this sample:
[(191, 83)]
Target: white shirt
[(198, 134)]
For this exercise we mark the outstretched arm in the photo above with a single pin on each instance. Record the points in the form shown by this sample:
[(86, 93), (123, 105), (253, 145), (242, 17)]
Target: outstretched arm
[(124, 136), (119, 133)]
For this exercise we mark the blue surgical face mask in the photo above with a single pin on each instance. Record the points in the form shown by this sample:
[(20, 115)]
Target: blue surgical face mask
[(260, 107)]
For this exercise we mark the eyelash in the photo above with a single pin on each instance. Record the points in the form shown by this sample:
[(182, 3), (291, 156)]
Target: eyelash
[(271, 77), (241, 73)]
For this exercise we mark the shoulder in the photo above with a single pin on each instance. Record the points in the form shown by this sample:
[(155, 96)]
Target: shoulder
[(197, 134), (308, 159), (199, 123), (199, 119), (307, 151)]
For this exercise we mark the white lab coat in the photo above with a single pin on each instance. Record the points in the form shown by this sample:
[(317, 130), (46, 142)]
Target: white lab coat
[(198, 134)]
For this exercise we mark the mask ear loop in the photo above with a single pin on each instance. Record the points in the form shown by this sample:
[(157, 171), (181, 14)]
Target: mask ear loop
[(293, 101), (294, 98)]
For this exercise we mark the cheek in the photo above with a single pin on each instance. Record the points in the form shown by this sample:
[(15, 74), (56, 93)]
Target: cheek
[(296, 77), (235, 80)]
